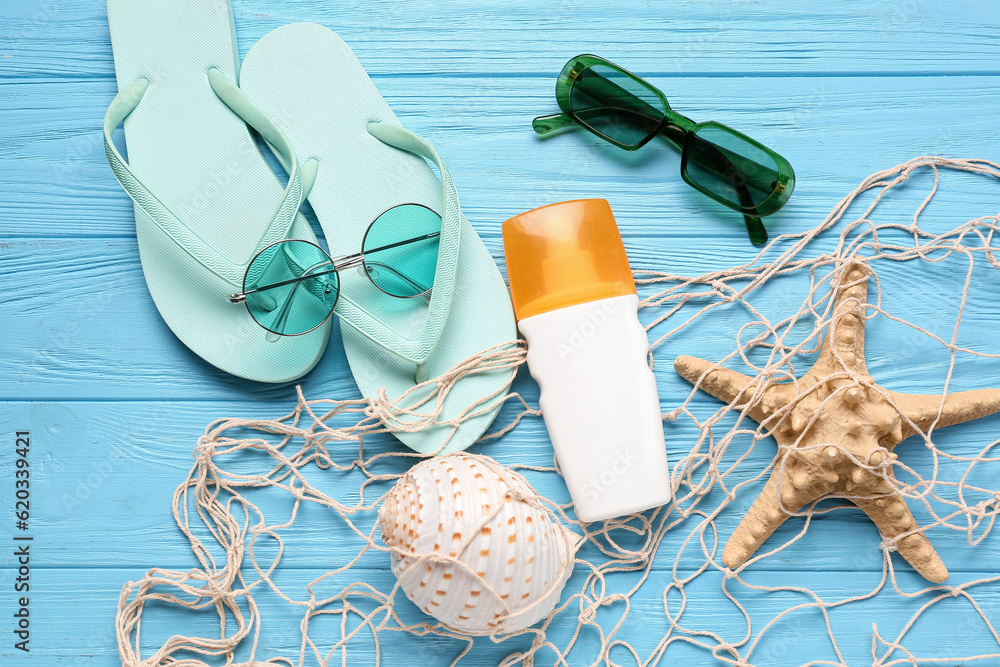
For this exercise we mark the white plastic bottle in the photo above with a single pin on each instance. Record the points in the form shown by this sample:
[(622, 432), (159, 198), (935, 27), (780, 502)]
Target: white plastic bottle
[(576, 305)]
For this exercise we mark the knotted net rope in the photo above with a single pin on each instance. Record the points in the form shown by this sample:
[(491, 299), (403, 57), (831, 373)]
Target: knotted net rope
[(238, 459)]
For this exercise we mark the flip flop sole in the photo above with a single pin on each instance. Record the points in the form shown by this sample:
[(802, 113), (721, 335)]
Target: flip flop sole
[(310, 81), (199, 158)]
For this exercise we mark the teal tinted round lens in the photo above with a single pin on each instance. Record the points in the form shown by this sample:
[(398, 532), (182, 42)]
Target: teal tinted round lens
[(291, 287), (616, 105), (401, 249), (730, 167)]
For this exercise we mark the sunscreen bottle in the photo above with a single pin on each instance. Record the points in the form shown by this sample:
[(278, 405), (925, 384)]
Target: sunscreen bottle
[(576, 305)]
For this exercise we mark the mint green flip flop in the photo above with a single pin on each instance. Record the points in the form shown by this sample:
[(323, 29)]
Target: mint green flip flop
[(205, 199), (308, 79)]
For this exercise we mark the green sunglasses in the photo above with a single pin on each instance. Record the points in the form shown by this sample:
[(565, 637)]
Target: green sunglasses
[(291, 287), (716, 160)]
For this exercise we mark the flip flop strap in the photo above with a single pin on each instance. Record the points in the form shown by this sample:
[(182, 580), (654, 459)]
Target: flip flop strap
[(299, 181), (419, 349)]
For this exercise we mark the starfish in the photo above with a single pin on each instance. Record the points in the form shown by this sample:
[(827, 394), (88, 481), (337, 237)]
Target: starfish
[(836, 429)]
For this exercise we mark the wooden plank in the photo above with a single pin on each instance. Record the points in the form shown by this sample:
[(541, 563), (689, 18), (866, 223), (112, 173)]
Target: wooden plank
[(949, 628), (57, 38), (57, 315), (106, 472), (834, 131)]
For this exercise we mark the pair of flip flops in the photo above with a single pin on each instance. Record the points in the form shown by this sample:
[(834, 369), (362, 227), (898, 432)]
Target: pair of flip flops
[(206, 203)]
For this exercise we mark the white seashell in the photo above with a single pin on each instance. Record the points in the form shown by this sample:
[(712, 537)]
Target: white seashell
[(474, 547)]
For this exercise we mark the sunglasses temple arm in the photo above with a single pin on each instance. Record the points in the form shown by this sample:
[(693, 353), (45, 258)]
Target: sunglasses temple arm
[(551, 123), (424, 291), (242, 295), (755, 226), (273, 336)]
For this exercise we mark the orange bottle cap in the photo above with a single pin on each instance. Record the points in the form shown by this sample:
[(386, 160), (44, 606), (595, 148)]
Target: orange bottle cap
[(565, 254)]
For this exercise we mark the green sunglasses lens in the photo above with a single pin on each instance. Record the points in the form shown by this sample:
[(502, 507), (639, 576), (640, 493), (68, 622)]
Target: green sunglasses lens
[(291, 287), (401, 249), (616, 106), (729, 167)]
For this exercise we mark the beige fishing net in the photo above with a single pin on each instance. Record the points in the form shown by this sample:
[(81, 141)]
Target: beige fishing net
[(329, 464)]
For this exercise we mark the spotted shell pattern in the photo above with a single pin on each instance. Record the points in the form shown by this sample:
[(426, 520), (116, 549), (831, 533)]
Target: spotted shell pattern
[(462, 525)]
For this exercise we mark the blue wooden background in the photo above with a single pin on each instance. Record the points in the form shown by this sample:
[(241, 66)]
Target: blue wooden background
[(115, 404)]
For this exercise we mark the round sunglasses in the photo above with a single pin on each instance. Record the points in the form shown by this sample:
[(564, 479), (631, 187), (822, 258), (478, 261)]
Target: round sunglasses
[(291, 287), (627, 111)]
